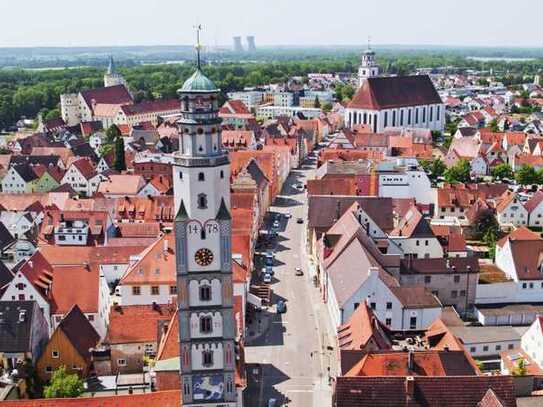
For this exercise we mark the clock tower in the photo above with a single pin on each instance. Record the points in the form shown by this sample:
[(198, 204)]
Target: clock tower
[(203, 245)]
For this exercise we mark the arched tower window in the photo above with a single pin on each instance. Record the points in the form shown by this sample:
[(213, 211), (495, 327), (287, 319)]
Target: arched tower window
[(206, 325), (205, 293), (202, 201), (201, 176)]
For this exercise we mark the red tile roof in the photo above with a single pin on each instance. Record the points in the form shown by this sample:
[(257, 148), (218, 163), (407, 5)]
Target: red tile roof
[(118, 95), (234, 107), (156, 265), (424, 363), (392, 92), (521, 233), (418, 391), (64, 297), (137, 323), (153, 106), (363, 332), (170, 398)]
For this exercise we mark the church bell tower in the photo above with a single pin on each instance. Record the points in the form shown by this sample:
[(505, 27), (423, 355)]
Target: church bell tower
[(203, 246), (368, 66)]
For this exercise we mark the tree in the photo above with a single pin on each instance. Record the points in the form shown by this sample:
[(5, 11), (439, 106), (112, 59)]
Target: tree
[(327, 107), (460, 172), (485, 226), (494, 125), (502, 171), (490, 239), (526, 175), (63, 385), (317, 103), (520, 368), (120, 164), (434, 168), (112, 133), (52, 114)]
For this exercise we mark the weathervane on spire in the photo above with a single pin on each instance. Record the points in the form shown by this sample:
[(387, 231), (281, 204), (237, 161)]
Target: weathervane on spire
[(198, 45)]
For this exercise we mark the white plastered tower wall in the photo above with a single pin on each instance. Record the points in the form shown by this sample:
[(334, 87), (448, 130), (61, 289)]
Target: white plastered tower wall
[(207, 327)]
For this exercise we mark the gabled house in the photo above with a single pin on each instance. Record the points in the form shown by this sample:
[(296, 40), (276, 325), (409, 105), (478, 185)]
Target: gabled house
[(82, 177), (510, 211), (23, 333), (415, 237), (20, 179), (532, 341), (69, 346), (534, 207), (346, 284), (135, 331), (151, 279)]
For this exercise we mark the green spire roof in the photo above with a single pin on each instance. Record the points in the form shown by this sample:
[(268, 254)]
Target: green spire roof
[(111, 68), (182, 214), (198, 82)]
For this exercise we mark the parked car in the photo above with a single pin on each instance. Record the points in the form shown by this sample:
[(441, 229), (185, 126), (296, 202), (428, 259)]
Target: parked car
[(276, 224), (281, 307), (267, 278), (300, 220), (299, 271), (288, 215), (272, 403), (269, 270)]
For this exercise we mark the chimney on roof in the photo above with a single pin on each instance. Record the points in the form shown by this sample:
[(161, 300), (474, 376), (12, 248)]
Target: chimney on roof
[(156, 307), (409, 386), (410, 360), (165, 245)]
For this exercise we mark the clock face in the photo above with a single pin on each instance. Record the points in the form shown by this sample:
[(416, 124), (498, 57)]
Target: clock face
[(203, 257)]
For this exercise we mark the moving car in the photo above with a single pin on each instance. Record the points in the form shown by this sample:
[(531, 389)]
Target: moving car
[(299, 271), (300, 220), (281, 307)]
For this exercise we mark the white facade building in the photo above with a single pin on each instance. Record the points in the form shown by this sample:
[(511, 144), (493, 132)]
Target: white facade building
[(532, 341), (266, 112), (250, 98), (401, 101), (404, 178)]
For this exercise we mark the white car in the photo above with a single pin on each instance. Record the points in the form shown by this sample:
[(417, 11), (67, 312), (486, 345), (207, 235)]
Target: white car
[(276, 224), (267, 278), (288, 215)]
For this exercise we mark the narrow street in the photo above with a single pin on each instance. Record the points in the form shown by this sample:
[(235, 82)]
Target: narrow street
[(290, 361)]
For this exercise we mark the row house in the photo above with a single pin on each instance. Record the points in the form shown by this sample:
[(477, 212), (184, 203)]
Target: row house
[(119, 185), (454, 200), (345, 285), (415, 237), (141, 209), (151, 279), (234, 113), (69, 346), (82, 177), (133, 334), (146, 111)]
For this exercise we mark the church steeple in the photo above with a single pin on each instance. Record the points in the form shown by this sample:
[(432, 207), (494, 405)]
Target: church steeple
[(368, 66), (112, 77)]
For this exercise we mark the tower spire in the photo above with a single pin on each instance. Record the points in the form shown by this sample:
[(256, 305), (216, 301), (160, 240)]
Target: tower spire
[(369, 41), (198, 45)]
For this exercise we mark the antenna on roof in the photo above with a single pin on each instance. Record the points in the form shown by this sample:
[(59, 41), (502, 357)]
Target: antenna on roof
[(198, 45)]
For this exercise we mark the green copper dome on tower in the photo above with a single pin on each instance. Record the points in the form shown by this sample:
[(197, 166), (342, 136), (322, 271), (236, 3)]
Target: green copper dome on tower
[(198, 82)]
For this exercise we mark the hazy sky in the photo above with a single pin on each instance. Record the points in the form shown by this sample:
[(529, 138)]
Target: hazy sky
[(273, 22)]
